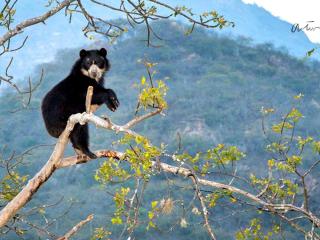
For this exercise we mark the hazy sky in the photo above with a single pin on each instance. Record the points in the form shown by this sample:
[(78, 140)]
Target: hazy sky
[(294, 11)]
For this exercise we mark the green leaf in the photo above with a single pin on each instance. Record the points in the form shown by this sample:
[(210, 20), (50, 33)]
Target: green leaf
[(316, 146), (143, 80), (278, 128), (310, 52), (150, 215), (295, 115), (116, 220), (151, 224), (154, 204)]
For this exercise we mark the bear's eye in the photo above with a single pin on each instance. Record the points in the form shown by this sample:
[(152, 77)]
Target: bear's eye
[(87, 63), (100, 63)]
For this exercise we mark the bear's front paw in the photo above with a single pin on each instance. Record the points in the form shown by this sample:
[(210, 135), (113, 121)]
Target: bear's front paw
[(112, 101)]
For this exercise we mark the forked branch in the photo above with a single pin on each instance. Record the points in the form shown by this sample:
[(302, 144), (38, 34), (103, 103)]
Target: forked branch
[(76, 228), (56, 159)]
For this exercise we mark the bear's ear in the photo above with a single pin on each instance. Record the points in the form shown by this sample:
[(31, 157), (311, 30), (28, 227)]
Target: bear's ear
[(103, 52), (83, 53)]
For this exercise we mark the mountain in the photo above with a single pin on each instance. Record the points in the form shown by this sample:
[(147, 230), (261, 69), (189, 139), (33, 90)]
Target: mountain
[(44, 40), (217, 87), (258, 24), (261, 26)]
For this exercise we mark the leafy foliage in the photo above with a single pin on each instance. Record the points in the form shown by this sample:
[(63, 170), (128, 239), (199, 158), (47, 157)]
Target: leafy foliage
[(101, 234), (119, 199), (255, 232), (11, 185), (151, 95)]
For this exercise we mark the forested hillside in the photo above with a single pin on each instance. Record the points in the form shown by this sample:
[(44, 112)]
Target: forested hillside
[(217, 87)]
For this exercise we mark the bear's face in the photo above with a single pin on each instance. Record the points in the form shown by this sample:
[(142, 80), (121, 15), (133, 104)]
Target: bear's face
[(94, 63)]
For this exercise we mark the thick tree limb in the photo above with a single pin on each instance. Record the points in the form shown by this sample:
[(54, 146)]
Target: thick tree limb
[(53, 163), (42, 176), (74, 160)]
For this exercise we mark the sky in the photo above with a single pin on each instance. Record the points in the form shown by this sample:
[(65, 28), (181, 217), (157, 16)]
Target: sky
[(294, 11)]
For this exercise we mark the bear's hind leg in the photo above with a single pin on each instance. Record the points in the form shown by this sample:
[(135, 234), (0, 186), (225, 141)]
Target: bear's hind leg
[(80, 140)]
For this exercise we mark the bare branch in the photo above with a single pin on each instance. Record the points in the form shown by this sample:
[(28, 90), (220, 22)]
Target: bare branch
[(136, 120), (32, 21), (311, 168), (203, 206), (76, 228), (88, 99), (74, 160)]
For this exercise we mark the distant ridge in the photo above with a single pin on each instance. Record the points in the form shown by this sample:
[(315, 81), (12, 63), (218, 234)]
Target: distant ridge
[(258, 24)]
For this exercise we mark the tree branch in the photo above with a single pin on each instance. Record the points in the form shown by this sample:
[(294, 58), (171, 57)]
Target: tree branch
[(55, 159), (203, 206), (268, 206), (188, 173), (76, 228), (136, 120), (74, 160), (42, 176), (32, 21), (88, 99)]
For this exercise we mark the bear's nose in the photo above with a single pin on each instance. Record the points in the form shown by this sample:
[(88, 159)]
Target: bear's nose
[(94, 74)]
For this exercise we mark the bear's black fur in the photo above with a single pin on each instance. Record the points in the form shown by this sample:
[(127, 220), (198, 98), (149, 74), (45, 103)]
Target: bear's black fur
[(68, 97)]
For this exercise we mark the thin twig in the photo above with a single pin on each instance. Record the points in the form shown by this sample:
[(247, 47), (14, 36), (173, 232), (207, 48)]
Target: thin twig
[(76, 228), (32, 21)]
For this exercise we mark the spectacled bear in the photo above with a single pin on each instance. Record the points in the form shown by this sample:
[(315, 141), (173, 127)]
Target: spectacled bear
[(68, 97)]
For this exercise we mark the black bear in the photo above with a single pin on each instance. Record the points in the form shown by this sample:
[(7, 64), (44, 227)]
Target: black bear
[(68, 97)]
